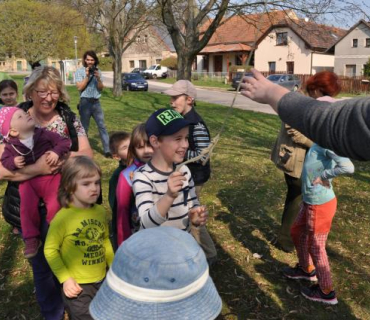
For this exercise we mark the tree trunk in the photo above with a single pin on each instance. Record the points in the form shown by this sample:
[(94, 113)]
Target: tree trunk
[(184, 63), (117, 75)]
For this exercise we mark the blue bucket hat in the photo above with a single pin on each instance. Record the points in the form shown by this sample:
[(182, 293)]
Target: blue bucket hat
[(165, 122), (158, 274)]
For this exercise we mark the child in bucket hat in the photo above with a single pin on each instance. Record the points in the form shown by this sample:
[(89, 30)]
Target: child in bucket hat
[(158, 274), (24, 145)]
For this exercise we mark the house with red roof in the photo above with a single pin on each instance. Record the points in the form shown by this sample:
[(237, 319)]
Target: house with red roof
[(297, 46), (232, 42)]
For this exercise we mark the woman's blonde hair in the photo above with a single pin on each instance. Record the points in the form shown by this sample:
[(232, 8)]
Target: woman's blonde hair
[(74, 169), (51, 76), (138, 136)]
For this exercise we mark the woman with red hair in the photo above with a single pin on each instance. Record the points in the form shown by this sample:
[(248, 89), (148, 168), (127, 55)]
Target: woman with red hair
[(312, 226), (323, 86)]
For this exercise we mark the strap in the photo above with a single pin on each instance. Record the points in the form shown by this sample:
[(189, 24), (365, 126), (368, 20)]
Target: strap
[(86, 85)]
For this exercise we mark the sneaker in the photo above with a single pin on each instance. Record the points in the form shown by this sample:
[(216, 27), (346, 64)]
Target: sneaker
[(297, 273), (314, 293), (32, 246), (108, 155)]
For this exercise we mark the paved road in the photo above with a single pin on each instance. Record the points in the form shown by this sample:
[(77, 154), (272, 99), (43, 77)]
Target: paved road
[(208, 95)]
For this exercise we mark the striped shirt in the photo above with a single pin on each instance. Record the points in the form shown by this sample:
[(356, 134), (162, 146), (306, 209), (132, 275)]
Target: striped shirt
[(201, 140), (149, 185), (92, 89)]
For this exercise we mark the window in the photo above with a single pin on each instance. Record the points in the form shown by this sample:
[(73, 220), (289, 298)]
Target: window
[(158, 61), (238, 60), (282, 38), (132, 63), (142, 64), (350, 70), (138, 39), (354, 43), (205, 63), (367, 42), (145, 38), (272, 66), (290, 67)]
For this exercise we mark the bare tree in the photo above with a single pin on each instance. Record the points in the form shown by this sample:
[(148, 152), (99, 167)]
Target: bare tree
[(185, 20), (119, 21)]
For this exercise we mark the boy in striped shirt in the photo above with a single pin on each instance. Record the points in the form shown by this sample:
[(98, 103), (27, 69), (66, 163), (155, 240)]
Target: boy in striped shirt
[(183, 95), (163, 196)]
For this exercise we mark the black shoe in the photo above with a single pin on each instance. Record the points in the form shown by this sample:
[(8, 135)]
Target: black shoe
[(314, 293), (108, 155), (297, 273)]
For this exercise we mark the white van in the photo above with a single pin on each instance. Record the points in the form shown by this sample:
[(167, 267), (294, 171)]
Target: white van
[(156, 71)]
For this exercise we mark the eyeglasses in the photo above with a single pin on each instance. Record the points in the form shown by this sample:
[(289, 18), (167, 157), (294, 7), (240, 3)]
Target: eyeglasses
[(44, 94)]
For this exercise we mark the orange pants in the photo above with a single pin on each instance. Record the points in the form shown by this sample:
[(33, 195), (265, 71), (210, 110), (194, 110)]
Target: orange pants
[(309, 233)]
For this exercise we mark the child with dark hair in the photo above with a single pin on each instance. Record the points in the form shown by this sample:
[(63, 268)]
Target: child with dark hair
[(8, 93), (164, 196), (118, 143), (139, 153), (77, 246)]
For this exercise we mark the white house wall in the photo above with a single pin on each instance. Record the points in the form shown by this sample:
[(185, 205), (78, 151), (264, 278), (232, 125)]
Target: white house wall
[(321, 62), (295, 51), (345, 54)]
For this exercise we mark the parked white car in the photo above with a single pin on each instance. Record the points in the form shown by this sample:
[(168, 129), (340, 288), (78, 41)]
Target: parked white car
[(156, 71)]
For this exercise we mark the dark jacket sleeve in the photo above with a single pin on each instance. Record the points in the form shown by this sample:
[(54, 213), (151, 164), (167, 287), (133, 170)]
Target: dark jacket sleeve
[(7, 158), (342, 126), (60, 144)]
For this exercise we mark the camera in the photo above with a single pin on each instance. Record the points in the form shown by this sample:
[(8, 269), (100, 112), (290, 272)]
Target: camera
[(92, 70)]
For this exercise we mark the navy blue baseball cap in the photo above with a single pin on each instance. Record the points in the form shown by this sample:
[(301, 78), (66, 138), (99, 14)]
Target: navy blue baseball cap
[(165, 122)]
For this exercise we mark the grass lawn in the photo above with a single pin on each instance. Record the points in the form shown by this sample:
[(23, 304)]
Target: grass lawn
[(245, 199)]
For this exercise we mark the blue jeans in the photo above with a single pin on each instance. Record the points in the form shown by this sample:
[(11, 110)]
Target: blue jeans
[(48, 288), (91, 108)]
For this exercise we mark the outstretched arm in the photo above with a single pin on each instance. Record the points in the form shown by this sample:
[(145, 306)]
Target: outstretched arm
[(342, 126), (259, 89)]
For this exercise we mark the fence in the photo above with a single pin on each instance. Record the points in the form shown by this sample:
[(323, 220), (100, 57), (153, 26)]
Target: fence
[(353, 85)]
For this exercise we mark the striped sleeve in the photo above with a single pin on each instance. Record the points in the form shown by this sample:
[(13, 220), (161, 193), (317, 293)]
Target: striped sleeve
[(145, 201), (201, 141)]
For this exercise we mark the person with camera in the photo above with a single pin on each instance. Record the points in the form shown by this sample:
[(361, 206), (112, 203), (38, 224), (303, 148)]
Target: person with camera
[(90, 85)]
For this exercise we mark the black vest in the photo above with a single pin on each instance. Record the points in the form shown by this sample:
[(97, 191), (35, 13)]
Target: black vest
[(11, 203), (199, 172)]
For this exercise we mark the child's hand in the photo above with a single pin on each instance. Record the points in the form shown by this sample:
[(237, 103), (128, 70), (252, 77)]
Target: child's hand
[(198, 216), (19, 162), (51, 158), (71, 288), (324, 183), (175, 182)]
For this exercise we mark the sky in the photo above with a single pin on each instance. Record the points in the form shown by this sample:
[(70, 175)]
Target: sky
[(348, 15)]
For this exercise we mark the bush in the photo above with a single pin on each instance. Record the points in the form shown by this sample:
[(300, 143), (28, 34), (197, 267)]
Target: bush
[(367, 69), (170, 62)]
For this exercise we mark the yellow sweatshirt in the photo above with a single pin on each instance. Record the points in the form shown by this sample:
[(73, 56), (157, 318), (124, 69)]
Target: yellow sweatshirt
[(77, 244)]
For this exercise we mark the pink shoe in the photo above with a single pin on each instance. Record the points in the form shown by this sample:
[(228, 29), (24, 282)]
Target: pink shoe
[(32, 246)]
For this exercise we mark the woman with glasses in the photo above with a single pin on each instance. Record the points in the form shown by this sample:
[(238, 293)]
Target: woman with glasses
[(47, 98)]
